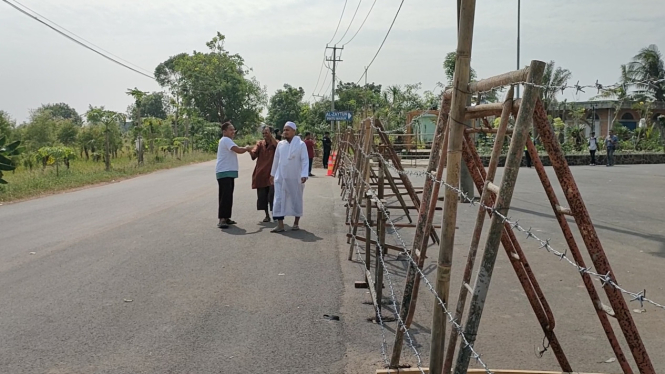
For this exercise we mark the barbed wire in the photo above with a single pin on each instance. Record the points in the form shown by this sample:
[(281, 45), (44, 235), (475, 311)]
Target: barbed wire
[(405, 251), (387, 274), (605, 279), (384, 344)]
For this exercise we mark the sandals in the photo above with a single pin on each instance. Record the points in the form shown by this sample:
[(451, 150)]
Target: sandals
[(226, 223), (295, 228), (277, 229), (267, 219)]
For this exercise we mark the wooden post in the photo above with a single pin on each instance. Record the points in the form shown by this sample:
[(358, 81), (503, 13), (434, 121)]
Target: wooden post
[(430, 192), (368, 233), (480, 220), (457, 110), (362, 167), (502, 204), (443, 159), (381, 242), (398, 165)]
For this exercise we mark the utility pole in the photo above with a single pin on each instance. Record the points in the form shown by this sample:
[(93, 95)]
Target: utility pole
[(334, 61), (519, 6)]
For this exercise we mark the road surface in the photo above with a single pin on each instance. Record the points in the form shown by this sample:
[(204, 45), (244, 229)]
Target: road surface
[(134, 277)]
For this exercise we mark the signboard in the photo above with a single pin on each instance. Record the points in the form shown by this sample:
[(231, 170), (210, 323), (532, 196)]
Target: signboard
[(339, 116)]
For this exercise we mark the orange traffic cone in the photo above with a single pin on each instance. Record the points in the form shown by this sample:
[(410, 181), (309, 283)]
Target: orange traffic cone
[(331, 163)]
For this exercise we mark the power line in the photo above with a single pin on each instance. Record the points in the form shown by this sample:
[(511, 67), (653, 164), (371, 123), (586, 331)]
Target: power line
[(383, 42), (77, 41), (361, 25), (338, 23), (350, 23), (320, 71), (324, 82)]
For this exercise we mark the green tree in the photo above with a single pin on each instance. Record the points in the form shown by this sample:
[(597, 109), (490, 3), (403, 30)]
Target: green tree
[(7, 152), (215, 83), (40, 131), (67, 133), (138, 96), (62, 111), (646, 68), (152, 105), (553, 78), (109, 120), (7, 124), (286, 105), (449, 68)]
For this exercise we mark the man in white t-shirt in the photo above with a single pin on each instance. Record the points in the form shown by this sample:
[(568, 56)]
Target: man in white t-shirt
[(593, 147), (227, 171)]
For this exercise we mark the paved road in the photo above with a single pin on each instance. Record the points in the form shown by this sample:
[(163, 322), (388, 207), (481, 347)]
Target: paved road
[(207, 301), (134, 277)]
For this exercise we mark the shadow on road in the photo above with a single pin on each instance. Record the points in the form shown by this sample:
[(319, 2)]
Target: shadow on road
[(235, 230), (653, 237), (302, 235)]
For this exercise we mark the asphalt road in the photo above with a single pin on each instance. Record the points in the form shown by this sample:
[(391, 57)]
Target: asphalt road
[(134, 277)]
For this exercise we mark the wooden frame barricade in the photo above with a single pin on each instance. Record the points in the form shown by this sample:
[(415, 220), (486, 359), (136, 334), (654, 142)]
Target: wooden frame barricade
[(363, 168)]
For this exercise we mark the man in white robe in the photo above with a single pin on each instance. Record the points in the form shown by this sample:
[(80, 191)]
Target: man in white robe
[(290, 170)]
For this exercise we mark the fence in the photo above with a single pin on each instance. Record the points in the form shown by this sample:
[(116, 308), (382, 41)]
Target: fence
[(370, 171)]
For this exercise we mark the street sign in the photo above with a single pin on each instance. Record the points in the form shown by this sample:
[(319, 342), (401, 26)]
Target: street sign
[(339, 116)]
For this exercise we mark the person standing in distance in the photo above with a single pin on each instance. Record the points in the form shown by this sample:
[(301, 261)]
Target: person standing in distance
[(227, 171), (290, 170), (593, 147), (310, 144), (611, 146), (327, 146), (264, 153)]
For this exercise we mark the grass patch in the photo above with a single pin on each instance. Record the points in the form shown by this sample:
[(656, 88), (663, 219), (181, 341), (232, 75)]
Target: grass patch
[(24, 183)]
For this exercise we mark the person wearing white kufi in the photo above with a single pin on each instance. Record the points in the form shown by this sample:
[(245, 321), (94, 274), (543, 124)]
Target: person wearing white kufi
[(290, 170)]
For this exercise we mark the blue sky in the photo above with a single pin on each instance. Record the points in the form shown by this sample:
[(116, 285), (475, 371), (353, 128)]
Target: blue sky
[(283, 41)]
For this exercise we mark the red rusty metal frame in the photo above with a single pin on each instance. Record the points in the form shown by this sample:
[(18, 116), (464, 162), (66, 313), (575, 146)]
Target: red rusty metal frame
[(590, 237), (577, 255), (518, 260)]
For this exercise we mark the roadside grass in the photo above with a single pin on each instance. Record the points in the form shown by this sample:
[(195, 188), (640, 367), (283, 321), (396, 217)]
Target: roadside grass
[(24, 183)]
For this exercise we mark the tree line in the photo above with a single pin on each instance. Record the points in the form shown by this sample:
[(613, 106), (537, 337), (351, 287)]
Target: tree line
[(201, 90)]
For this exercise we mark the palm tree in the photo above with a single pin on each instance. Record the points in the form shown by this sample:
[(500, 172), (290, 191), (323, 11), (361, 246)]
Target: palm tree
[(618, 92), (648, 66), (553, 79)]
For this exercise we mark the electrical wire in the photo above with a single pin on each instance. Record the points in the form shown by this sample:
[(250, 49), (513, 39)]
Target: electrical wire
[(338, 23), (320, 71), (350, 23), (77, 41), (361, 25), (382, 43)]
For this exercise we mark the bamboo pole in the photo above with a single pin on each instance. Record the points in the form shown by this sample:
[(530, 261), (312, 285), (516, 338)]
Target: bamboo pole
[(443, 158), (480, 220), (461, 80), (422, 234), (502, 204), (505, 79), (363, 168), (368, 234)]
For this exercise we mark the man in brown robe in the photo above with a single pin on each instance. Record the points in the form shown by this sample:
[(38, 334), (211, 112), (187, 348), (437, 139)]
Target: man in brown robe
[(264, 152)]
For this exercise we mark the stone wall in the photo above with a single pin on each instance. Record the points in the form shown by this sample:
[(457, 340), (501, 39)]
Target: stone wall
[(619, 158)]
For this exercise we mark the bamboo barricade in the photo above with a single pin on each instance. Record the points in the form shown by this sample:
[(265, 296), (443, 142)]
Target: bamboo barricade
[(365, 173)]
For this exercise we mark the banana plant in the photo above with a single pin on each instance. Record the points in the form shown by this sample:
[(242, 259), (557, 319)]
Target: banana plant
[(6, 152)]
